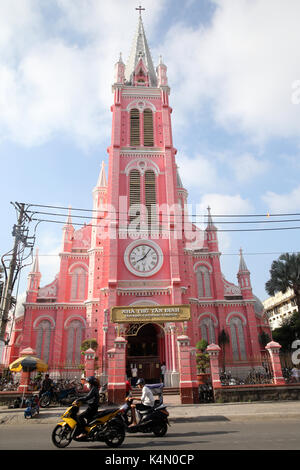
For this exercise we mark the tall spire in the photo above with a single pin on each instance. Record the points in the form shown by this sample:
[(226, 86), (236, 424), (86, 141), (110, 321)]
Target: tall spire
[(36, 267), (140, 49), (243, 266), (69, 219), (210, 224), (102, 183)]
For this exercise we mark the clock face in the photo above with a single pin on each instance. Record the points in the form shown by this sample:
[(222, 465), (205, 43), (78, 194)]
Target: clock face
[(143, 259)]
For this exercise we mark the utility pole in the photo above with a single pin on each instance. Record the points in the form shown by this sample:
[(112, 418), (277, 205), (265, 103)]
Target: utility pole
[(21, 241)]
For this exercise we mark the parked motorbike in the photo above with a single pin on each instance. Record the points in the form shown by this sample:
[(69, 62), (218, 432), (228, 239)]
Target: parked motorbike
[(62, 397), (206, 394), (33, 408), (153, 421), (106, 426)]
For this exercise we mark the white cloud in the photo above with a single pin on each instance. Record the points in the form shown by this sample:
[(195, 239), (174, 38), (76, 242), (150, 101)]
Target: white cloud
[(199, 172), (224, 204), (247, 167), (245, 63), (57, 64), (283, 202)]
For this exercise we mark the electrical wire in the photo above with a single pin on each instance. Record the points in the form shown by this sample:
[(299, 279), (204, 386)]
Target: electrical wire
[(191, 215)]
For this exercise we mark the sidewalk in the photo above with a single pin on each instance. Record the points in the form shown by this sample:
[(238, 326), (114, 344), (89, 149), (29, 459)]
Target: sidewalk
[(180, 413)]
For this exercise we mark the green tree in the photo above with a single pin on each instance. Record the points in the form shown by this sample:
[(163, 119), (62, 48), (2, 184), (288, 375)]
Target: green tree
[(288, 331), (285, 274), (202, 358), (89, 343)]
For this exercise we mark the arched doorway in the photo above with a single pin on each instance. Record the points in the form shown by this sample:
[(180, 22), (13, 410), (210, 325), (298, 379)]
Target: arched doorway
[(146, 351)]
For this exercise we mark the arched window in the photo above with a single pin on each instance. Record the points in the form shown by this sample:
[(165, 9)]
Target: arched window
[(134, 194), (203, 281), (75, 337), (237, 339), (79, 277), (134, 127), (148, 128), (150, 196), (208, 330), (43, 340)]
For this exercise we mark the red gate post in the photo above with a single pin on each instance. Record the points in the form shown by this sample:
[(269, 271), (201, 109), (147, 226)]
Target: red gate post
[(188, 371), (89, 362), (214, 350), (274, 350), (116, 387)]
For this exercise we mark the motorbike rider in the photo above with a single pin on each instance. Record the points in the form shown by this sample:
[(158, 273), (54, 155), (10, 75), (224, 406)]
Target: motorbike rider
[(147, 400), (47, 385), (92, 399)]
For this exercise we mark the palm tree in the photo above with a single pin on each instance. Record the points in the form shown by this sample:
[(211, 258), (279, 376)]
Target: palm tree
[(285, 274)]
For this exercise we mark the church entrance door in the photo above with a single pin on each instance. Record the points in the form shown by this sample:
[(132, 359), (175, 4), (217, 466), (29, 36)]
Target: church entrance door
[(146, 352)]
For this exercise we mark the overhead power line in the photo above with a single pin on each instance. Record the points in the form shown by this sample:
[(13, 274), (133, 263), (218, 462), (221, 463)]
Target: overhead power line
[(190, 215)]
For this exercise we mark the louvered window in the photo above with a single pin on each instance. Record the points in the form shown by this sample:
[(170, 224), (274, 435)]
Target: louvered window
[(134, 127), (134, 194), (148, 128), (150, 196)]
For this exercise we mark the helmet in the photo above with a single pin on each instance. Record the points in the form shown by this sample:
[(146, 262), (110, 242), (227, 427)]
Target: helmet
[(92, 380), (140, 382)]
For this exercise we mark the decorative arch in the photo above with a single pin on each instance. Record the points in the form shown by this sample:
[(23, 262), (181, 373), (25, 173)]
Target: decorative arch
[(44, 317), (203, 263), (236, 314), (142, 165), (72, 318), (141, 105)]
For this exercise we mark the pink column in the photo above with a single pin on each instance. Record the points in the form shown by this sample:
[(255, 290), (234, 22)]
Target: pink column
[(24, 382), (89, 362), (214, 351), (274, 349), (25, 376), (188, 371), (116, 387)]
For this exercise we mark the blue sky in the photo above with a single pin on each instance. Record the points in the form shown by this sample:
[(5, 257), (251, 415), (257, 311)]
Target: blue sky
[(233, 69)]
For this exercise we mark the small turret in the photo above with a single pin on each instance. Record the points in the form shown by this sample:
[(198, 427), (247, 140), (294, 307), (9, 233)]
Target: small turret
[(211, 234), (161, 71), (243, 276), (100, 190), (34, 278), (68, 232), (120, 71)]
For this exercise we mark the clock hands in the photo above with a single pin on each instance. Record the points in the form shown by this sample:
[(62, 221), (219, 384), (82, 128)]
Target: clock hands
[(144, 256)]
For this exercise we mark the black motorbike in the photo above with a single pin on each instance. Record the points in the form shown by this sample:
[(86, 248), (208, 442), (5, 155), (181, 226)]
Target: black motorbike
[(58, 396), (155, 420)]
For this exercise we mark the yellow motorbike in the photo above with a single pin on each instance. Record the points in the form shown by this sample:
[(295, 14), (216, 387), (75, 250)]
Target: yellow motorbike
[(106, 426)]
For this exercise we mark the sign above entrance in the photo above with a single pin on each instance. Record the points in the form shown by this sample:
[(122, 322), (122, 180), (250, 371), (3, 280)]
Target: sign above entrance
[(151, 313)]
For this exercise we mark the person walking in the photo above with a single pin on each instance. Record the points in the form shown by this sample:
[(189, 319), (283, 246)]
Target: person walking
[(162, 372), (134, 374)]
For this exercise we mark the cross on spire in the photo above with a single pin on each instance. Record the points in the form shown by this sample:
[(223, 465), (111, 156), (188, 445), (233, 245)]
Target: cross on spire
[(140, 9)]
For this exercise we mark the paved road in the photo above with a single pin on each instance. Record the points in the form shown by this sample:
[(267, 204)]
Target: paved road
[(222, 435)]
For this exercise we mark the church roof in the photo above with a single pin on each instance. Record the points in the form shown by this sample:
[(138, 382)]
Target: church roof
[(140, 49)]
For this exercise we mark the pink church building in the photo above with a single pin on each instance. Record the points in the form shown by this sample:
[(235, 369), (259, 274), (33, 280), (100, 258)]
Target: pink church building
[(140, 254)]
